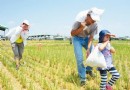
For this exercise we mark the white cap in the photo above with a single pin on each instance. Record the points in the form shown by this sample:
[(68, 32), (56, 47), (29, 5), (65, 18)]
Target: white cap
[(26, 22), (95, 13)]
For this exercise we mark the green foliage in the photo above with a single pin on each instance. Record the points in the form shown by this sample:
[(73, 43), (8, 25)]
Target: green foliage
[(51, 65)]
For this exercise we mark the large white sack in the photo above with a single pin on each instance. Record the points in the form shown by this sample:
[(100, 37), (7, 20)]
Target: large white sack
[(94, 12), (96, 59), (81, 16)]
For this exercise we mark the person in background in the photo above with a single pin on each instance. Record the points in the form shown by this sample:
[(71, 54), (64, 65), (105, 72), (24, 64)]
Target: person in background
[(17, 37), (83, 31), (107, 50), (70, 39)]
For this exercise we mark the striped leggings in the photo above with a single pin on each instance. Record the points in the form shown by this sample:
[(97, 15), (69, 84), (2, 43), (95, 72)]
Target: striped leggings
[(103, 73)]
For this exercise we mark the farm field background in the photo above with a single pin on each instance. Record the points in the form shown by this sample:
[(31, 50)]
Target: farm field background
[(51, 65)]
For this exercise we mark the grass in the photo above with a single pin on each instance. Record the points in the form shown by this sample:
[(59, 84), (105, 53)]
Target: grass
[(51, 65), (6, 85)]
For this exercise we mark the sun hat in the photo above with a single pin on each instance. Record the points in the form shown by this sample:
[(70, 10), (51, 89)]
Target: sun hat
[(26, 22), (103, 33), (94, 12)]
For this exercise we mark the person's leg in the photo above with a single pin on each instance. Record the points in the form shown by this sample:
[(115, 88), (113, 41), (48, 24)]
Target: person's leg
[(103, 83), (16, 54), (20, 50), (115, 76), (79, 58)]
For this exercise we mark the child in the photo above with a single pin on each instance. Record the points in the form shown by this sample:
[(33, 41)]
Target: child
[(106, 49)]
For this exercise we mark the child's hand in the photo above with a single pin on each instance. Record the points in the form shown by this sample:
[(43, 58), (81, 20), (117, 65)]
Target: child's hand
[(112, 50), (108, 46)]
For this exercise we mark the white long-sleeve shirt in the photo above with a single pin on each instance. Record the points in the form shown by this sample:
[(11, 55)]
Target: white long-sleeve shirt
[(15, 33)]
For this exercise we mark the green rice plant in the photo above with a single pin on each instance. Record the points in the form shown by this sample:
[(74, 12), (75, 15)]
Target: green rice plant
[(52, 66), (5, 82)]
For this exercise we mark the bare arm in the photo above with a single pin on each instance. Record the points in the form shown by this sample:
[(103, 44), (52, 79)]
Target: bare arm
[(89, 44), (77, 31), (103, 45), (90, 41), (112, 50)]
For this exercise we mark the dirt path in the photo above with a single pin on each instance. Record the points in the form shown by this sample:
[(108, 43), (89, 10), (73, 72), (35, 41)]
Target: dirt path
[(15, 84)]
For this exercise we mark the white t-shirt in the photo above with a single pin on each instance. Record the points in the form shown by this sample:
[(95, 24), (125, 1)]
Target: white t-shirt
[(107, 55), (14, 34)]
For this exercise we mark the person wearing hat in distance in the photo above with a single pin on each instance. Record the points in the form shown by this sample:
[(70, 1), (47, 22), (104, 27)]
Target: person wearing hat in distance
[(17, 37), (83, 31), (106, 49)]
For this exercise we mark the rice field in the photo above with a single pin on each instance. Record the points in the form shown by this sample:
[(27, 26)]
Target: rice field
[(51, 65)]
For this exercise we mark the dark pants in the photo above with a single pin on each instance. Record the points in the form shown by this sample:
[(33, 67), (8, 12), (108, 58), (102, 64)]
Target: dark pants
[(18, 49)]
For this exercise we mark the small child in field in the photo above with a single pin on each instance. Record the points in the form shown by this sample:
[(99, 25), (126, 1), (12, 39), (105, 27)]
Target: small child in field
[(107, 50)]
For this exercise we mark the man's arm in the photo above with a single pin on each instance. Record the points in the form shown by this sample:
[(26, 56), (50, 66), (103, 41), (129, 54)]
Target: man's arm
[(78, 30), (90, 41), (89, 44)]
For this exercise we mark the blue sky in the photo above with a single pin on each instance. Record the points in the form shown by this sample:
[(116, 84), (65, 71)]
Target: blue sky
[(57, 16)]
